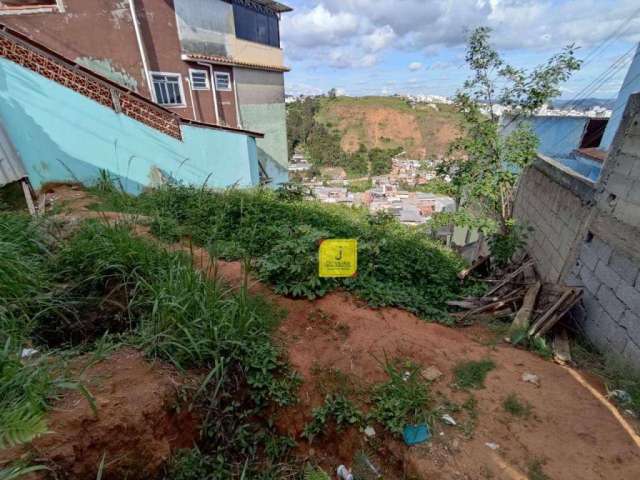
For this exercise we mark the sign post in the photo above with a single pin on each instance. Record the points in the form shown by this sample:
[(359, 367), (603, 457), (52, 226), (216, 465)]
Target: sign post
[(338, 258)]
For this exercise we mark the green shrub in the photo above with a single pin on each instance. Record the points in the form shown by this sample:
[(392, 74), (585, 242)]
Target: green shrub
[(515, 407), (337, 408)]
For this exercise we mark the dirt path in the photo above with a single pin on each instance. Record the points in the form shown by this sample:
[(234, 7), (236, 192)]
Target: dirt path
[(569, 435)]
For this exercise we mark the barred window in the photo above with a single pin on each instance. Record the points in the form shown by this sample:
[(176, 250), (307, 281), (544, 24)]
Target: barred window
[(199, 79), (168, 89)]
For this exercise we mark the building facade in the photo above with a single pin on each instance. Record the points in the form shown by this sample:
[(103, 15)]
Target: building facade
[(212, 61)]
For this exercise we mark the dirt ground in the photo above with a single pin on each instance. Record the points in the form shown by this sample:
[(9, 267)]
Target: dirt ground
[(571, 434), (136, 428)]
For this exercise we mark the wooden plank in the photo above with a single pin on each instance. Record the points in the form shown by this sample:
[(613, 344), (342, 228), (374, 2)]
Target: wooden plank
[(523, 317), (466, 304), (26, 189), (550, 312), (569, 304), (562, 348), (495, 305), (477, 264), (509, 278)]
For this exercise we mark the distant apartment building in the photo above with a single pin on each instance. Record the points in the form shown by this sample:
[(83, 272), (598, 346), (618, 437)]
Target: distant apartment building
[(211, 61)]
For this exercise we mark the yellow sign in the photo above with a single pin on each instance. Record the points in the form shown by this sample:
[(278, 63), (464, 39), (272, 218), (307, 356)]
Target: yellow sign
[(338, 258)]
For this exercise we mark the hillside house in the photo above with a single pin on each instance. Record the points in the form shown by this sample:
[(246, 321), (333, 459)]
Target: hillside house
[(215, 62)]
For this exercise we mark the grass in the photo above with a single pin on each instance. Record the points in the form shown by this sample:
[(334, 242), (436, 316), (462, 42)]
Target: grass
[(403, 400), (535, 470), (472, 374), (398, 266), (515, 407), (104, 286)]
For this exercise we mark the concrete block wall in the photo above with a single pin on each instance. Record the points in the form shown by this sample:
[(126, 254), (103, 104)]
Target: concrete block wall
[(610, 313), (596, 230), (558, 216)]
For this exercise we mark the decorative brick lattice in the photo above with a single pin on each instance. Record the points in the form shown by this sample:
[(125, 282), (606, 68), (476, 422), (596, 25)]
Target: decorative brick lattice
[(85, 84), (148, 114)]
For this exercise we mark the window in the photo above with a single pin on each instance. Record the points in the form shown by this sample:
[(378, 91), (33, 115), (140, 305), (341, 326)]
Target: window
[(256, 24), (199, 79), (223, 81), (8, 7), (168, 89)]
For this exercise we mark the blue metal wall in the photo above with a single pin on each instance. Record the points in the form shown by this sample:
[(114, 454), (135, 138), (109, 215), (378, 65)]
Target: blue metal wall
[(61, 135), (558, 136)]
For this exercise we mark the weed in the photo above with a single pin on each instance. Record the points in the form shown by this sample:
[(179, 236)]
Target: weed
[(403, 399), (470, 406), (315, 474), (537, 345), (472, 374), (337, 408), (535, 470), (515, 407)]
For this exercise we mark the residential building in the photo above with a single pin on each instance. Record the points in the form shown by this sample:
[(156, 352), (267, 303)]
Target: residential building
[(212, 61)]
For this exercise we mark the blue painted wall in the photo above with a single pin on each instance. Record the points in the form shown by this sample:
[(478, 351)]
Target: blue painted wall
[(630, 86), (61, 135), (558, 136)]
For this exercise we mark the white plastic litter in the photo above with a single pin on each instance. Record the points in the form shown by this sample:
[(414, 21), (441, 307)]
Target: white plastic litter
[(344, 473), (370, 432), (449, 420), (28, 352), (492, 446), (531, 378)]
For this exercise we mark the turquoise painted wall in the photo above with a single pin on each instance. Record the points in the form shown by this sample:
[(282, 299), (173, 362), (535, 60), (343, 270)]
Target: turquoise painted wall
[(61, 135)]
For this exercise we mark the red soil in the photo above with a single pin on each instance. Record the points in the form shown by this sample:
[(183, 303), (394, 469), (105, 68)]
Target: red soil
[(569, 431), (136, 428)]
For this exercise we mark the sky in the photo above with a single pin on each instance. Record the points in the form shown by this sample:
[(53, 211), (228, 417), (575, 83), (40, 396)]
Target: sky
[(381, 47)]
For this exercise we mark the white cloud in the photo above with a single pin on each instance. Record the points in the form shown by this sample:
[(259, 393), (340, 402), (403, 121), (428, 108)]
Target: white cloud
[(379, 39), (347, 58), (368, 27), (415, 66)]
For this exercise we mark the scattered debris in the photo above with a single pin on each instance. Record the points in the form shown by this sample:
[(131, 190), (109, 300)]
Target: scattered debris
[(531, 378), (431, 374), (477, 264), (562, 348), (492, 446), (523, 317), (370, 432), (536, 307), (416, 434), (28, 353), (620, 396), (344, 473), (449, 420)]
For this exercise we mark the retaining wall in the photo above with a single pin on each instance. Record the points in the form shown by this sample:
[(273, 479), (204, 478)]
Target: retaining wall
[(588, 235)]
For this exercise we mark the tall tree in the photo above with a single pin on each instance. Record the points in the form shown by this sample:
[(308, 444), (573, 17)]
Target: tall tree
[(483, 165)]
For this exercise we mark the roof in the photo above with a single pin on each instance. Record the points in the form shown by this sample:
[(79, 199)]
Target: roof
[(275, 6), (594, 153), (220, 60)]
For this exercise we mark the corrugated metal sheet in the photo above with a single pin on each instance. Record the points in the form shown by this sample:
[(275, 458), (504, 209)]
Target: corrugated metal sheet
[(11, 169)]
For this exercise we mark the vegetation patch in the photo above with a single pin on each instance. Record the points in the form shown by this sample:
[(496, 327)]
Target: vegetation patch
[(337, 408), (513, 405), (403, 400), (472, 374), (397, 266)]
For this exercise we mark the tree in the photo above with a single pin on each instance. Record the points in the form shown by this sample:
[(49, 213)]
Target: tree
[(483, 165)]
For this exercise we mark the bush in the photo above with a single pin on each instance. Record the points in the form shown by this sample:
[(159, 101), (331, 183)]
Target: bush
[(398, 266)]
